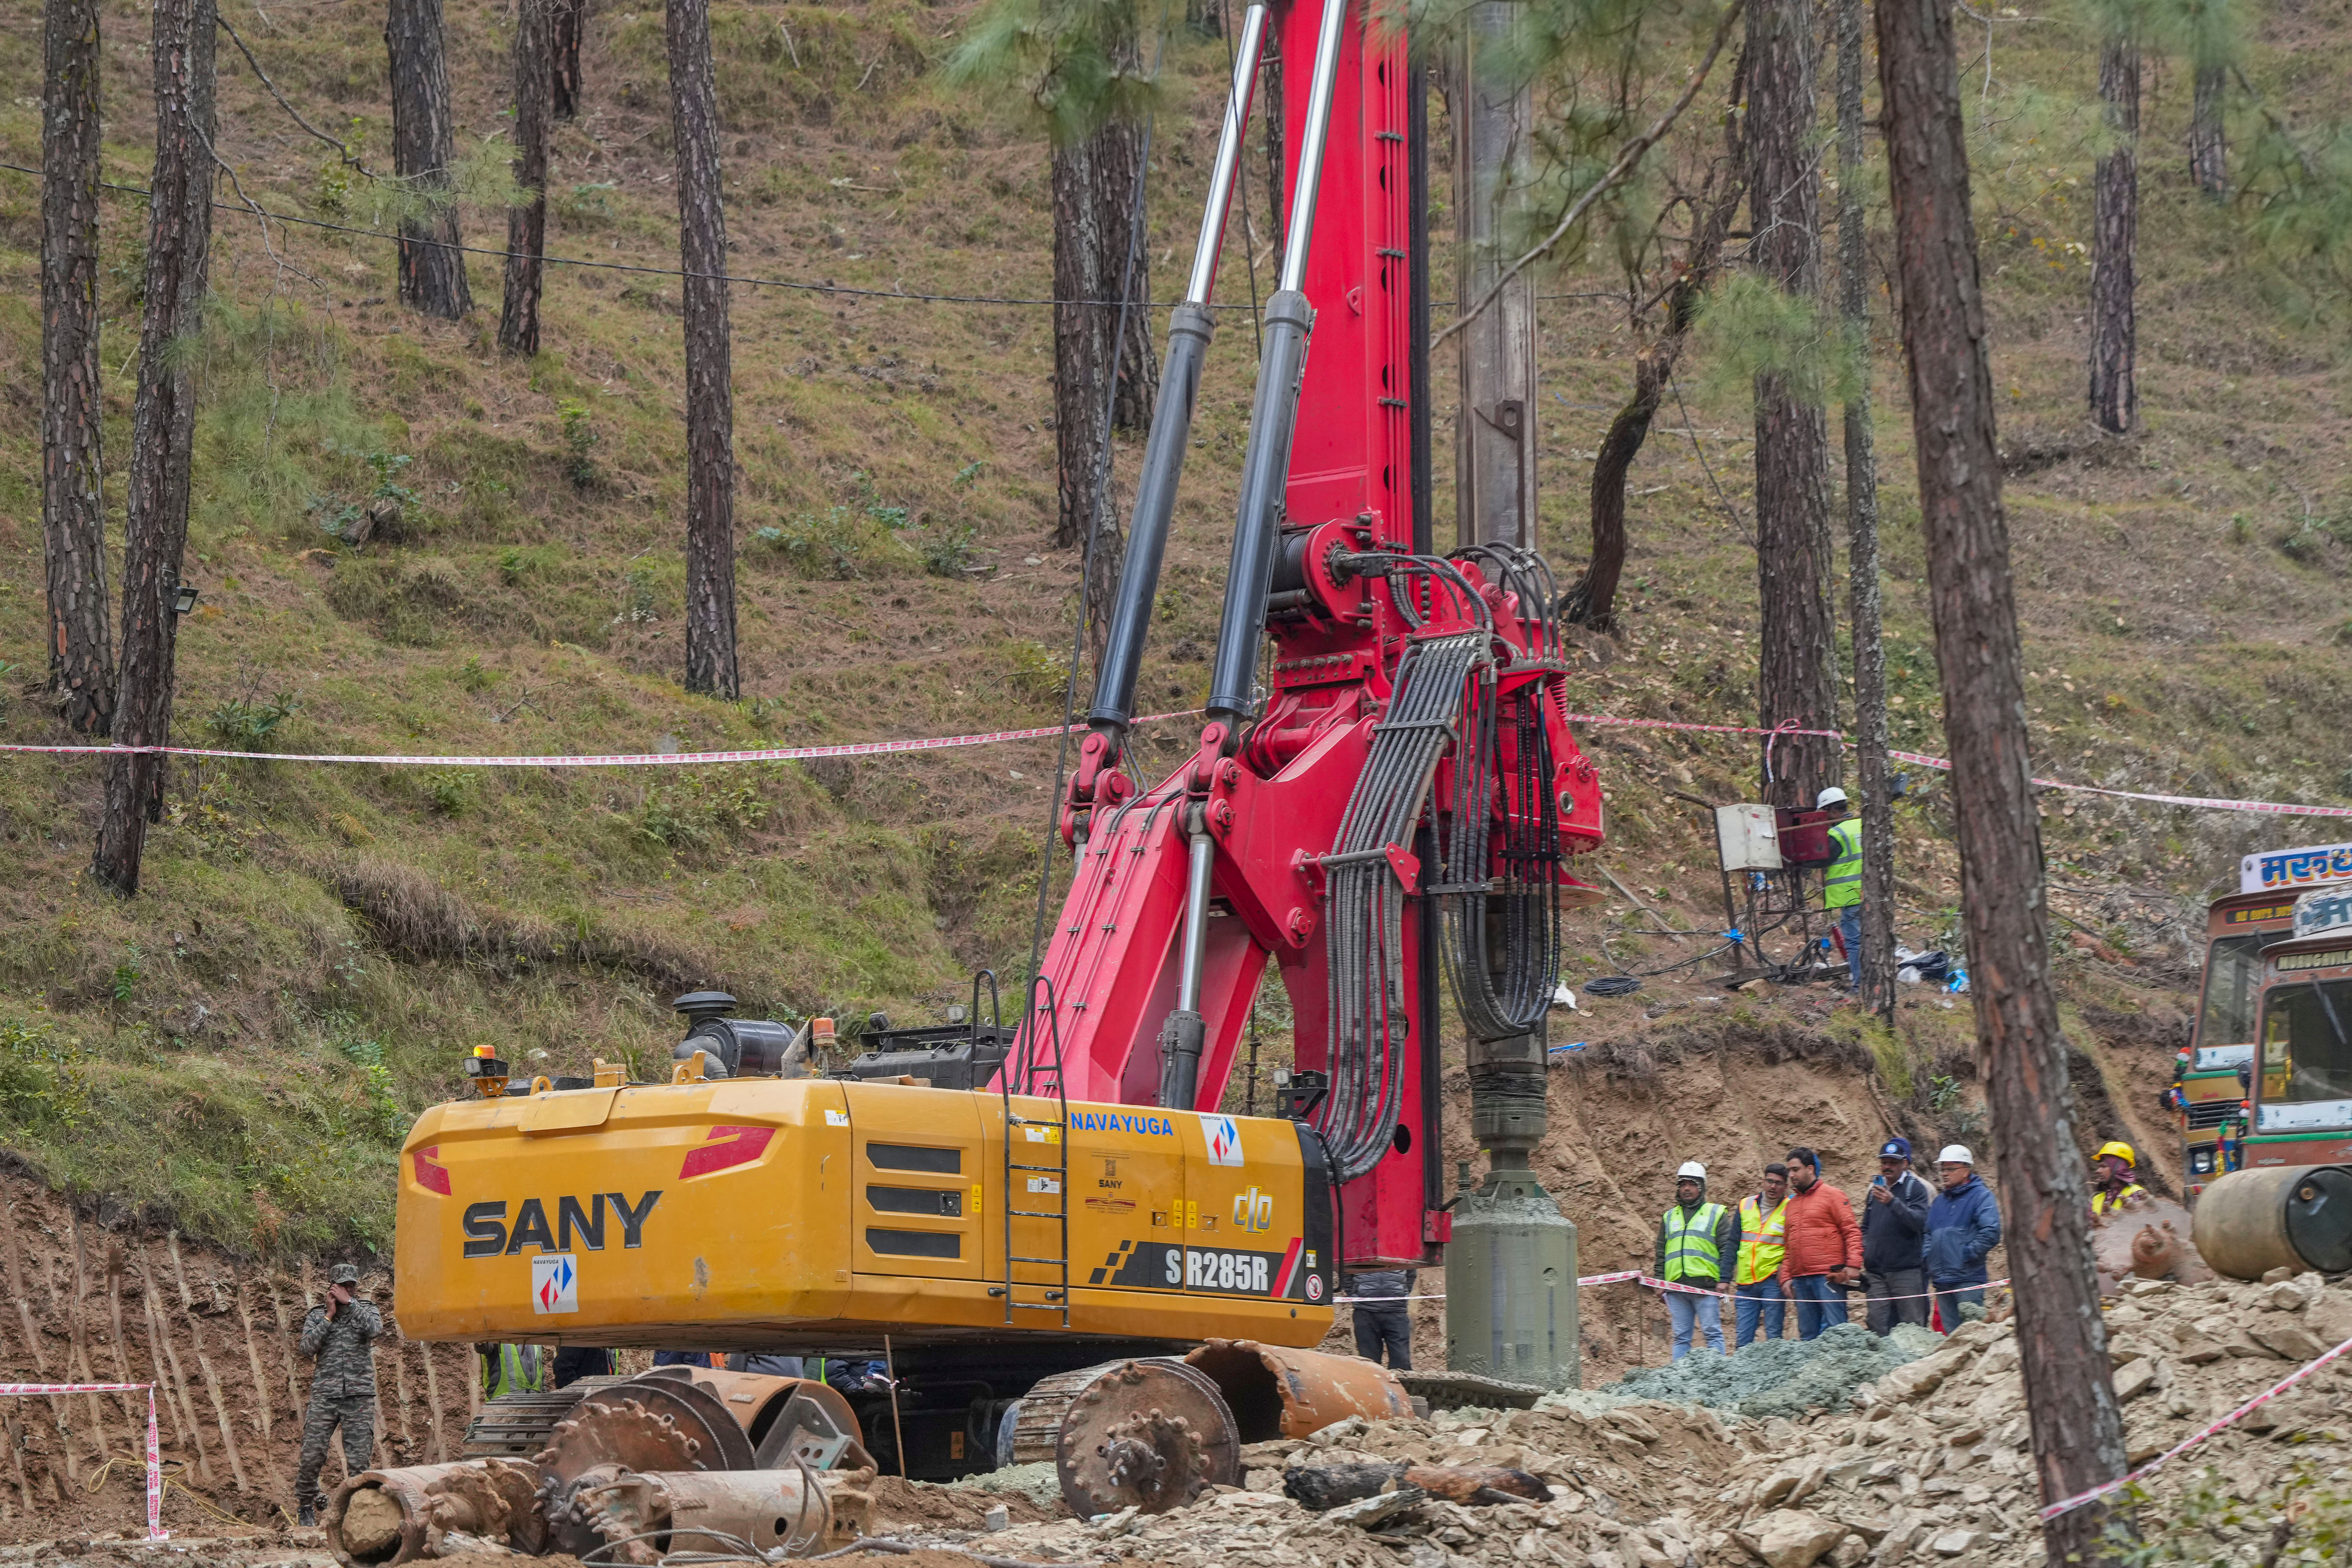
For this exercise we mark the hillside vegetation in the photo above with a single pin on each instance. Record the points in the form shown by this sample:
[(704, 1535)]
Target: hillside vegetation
[(315, 948)]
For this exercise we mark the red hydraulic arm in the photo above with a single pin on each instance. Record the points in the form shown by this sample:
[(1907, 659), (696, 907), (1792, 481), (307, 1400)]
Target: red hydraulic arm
[(1386, 784)]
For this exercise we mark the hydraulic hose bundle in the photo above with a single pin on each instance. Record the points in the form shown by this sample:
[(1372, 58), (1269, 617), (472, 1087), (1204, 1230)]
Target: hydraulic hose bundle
[(1502, 939), (1365, 902)]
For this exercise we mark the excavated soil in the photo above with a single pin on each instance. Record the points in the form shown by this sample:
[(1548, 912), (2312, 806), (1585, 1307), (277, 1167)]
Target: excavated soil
[(230, 1384), (902, 1502)]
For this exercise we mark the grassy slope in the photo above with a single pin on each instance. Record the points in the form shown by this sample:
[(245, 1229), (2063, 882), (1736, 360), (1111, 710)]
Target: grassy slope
[(315, 948)]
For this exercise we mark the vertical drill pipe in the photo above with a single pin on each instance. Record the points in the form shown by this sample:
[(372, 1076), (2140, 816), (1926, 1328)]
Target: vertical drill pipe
[(1274, 413), (1188, 329)]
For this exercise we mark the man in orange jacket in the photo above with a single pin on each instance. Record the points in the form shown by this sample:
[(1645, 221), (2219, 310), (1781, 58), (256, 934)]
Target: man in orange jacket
[(1824, 1246)]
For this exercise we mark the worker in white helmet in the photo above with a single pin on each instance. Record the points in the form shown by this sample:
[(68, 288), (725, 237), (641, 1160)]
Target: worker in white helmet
[(1695, 1240), (1841, 882), (1963, 1225)]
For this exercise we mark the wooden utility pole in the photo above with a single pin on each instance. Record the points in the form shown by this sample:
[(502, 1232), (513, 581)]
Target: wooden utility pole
[(1861, 539), (73, 499), (423, 149), (1494, 440), (2077, 1427), (1797, 667), (710, 662), (526, 224), (162, 430), (2114, 239)]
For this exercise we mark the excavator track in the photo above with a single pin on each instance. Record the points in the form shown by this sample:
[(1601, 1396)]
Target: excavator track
[(516, 1425)]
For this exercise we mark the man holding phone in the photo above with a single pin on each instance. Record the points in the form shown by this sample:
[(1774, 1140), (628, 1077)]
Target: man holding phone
[(340, 1334), (1894, 1241)]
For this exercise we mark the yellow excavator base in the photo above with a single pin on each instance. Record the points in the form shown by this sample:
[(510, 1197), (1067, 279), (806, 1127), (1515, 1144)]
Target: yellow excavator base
[(816, 1214)]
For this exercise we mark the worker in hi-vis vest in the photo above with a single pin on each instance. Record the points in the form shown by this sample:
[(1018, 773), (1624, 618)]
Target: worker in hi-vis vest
[(509, 1369), (1842, 883), (1755, 1279), (1695, 1240)]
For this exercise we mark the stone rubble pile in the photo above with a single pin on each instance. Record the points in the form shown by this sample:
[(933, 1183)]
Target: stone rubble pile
[(1925, 1464)]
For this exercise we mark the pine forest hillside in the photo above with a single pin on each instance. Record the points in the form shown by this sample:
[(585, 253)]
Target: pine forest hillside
[(238, 1050)]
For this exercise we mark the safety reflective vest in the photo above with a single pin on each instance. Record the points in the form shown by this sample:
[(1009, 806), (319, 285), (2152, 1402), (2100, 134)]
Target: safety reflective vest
[(516, 1369), (1761, 1240), (2103, 1203), (1842, 883), (1690, 1242)]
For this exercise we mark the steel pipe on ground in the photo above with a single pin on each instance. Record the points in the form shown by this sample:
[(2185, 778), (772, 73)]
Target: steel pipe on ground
[(2292, 1217), (1275, 1392), (383, 1517), (647, 1515)]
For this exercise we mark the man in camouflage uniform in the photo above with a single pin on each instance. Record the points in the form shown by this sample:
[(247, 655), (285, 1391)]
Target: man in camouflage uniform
[(340, 1335)]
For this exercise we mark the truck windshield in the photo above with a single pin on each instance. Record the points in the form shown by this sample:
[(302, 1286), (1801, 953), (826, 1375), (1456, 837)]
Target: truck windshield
[(2233, 977), (2307, 1043)]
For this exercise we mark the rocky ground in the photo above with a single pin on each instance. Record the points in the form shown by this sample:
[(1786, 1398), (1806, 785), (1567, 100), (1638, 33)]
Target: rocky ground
[(1911, 1451), (1927, 1463)]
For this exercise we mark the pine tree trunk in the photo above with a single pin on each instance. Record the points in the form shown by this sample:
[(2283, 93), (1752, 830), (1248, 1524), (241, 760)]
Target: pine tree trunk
[(711, 666), (1861, 541), (571, 22), (1797, 672), (2077, 1427), (162, 430), (2209, 153), (526, 224), (2115, 235), (423, 149), (73, 499), (1094, 192)]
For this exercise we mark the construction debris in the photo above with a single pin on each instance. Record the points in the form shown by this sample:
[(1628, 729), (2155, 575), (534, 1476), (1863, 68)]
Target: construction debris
[(1923, 1460)]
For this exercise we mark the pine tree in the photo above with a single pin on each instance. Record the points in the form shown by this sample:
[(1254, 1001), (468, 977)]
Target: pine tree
[(2114, 241), (571, 22), (711, 666), (162, 430), (1080, 66), (2078, 1437), (1797, 668), (423, 149), (526, 224), (1877, 967), (73, 499)]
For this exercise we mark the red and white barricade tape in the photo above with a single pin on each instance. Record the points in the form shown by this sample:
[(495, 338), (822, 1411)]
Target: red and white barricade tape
[(2109, 1488), (1047, 731), (2206, 803), (155, 1530), (610, 759), (1635, 1274)]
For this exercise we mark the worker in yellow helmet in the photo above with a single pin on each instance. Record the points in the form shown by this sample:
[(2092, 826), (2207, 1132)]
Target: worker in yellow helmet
[(2113, 1166)]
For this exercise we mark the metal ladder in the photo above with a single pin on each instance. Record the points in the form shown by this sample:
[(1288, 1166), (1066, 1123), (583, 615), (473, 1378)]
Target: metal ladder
[(1025, 1181)]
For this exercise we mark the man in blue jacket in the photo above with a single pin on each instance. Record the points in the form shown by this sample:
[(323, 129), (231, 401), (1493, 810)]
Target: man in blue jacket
[(1894, 1241), (1963, 1225)]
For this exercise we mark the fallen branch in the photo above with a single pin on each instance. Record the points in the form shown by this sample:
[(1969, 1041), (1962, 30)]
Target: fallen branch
[(348, 156)]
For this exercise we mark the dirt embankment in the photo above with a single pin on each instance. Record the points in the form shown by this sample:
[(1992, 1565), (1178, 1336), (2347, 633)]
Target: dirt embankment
[(1737, 1081), (216, 1336)]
